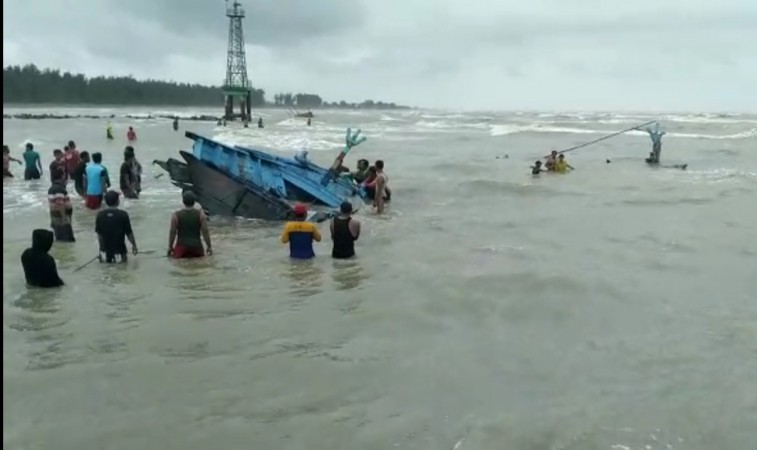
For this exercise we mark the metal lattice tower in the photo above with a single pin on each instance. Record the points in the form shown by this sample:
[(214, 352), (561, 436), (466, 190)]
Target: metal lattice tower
[(237, 84)]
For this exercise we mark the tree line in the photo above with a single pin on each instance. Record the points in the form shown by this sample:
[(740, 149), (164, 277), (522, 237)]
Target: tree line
[(29, 84)]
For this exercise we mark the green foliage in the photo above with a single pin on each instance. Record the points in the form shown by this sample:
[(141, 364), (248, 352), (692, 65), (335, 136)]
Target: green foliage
[(29, 84)]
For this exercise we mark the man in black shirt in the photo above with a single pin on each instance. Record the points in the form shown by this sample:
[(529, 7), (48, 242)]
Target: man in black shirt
[(127, 181), (79, 174), (113, 226)]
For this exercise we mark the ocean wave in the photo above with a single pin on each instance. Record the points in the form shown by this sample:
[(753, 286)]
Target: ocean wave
[(275, 141), (506, 129)]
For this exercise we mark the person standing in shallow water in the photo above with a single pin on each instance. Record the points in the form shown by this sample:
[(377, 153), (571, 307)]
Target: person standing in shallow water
[(33, 169), (382, 188), (57, 164), (126, 177), (79, 174), (187, 224), (7, 158), (39, 267), (71, 158), (131, 135), (136, 169), (113, 227), (96, 182), (344, 232), (300, 234), (60, 207), (656, 135)]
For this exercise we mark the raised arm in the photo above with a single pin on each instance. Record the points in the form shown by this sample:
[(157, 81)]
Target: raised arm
[(172, 232), (355, 228), (205, 233), (130, 233)]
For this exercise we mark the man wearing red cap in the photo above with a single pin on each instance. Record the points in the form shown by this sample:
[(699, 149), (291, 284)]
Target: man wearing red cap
[(300, 234)]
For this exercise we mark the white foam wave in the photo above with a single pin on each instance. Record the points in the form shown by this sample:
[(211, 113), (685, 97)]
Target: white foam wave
[(284, 142), (505, 129)]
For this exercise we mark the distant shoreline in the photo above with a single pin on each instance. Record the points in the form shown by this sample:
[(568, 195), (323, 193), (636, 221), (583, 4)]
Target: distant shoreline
[(149, 116)]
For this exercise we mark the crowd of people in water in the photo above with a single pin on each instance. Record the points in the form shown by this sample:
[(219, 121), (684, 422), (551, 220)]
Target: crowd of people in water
[(188, 226)]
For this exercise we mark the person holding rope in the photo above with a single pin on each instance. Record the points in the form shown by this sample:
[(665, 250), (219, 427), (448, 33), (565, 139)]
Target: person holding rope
[(656, 135)]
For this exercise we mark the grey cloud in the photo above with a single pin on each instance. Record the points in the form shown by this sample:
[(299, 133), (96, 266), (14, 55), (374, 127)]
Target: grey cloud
[(267, 22), (455, 53)]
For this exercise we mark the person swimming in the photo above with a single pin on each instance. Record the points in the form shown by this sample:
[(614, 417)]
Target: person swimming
[(39, 267), (562, 165), (300, 234), (551, 161), (536, 169)]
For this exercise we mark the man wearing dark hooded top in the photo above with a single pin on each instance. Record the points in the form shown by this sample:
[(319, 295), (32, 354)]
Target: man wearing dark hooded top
[(39, 267)]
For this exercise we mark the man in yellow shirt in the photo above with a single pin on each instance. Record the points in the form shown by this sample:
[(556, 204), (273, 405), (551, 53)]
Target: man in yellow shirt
[(300, 234), (562, 166)]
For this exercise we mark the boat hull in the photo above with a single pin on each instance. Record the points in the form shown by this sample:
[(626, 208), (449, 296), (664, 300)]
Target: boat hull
[(222, 195), (294, 179)]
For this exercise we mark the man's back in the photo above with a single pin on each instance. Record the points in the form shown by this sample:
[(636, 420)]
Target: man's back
[(344, 233), (71, 161), (31, 157), (112, 226), (300, 236), (189, 227), (95, 172)]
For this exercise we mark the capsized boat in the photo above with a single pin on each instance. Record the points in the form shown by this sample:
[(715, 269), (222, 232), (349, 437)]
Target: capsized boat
[(295, 179), (251, 183)]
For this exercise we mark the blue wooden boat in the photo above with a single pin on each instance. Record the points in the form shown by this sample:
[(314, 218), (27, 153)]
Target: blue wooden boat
[(295, 179)]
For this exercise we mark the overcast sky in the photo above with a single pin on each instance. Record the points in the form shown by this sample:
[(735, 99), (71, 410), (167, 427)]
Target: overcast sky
[(461, 54)]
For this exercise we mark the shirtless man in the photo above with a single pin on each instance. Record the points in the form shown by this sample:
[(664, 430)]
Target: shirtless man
[(7, 158), (382, 186)]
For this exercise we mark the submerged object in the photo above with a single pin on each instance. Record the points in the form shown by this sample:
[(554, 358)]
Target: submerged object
[(666, 166), (239, 181)]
